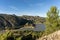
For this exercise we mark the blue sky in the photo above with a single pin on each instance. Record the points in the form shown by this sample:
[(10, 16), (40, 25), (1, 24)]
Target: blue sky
[(27, 7)]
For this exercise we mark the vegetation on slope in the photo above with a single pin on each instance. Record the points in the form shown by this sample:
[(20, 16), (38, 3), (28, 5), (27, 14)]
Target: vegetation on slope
[(13, 21), (20, 35)]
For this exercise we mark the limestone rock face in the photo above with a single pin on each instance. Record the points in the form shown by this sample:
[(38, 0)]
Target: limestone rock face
[(53, 36)]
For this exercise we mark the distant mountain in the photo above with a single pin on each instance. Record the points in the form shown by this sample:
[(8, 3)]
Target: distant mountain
[(36, 19), (13, 21)]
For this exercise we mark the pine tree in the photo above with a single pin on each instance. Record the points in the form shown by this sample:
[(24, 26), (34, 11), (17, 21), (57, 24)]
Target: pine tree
[(52, 20)]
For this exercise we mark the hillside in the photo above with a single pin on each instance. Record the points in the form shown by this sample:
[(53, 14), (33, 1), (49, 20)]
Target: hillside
[(36, 19), (13, 21)]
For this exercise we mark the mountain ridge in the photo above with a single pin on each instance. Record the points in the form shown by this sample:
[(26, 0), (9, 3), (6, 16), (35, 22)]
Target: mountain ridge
[(12, 21)]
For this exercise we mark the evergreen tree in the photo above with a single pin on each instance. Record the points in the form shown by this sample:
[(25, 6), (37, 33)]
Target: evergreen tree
[(52, 20)]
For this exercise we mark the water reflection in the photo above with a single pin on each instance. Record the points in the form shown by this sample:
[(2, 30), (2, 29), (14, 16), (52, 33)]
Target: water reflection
[(38, 27)]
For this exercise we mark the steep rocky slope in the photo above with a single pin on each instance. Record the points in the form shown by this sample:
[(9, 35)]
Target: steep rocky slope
[(13, 21), (53, 36)]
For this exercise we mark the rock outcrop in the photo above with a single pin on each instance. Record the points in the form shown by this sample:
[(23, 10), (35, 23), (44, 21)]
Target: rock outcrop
[(53, 36)]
